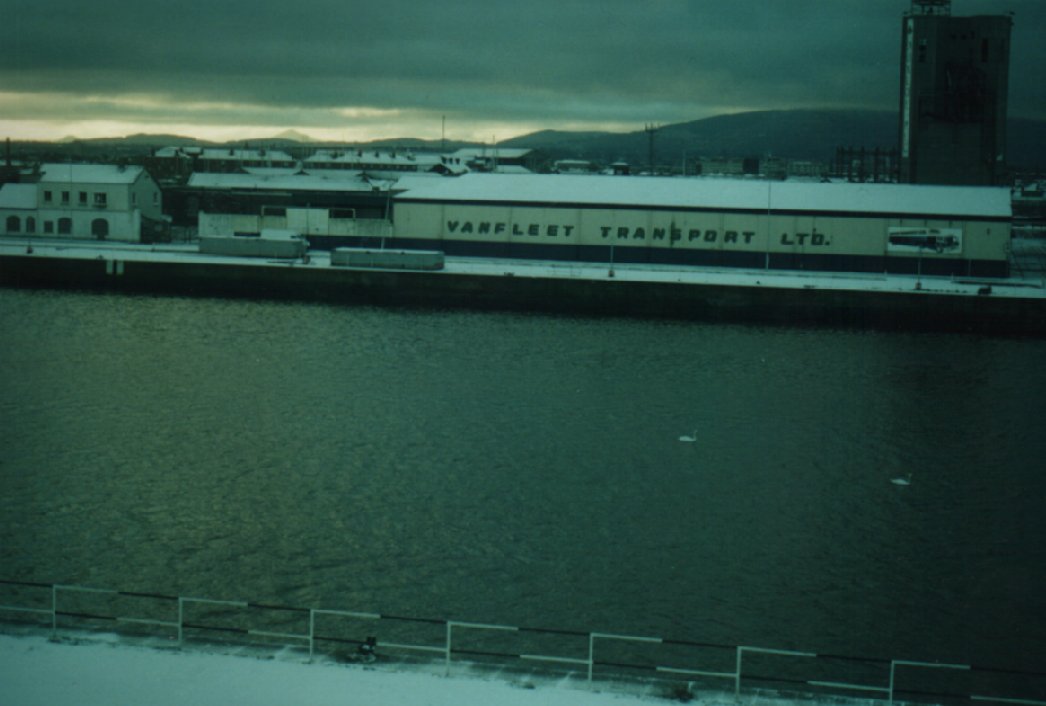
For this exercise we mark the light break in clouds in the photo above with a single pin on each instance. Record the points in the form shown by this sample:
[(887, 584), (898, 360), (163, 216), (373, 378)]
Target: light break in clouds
[(350, 70)]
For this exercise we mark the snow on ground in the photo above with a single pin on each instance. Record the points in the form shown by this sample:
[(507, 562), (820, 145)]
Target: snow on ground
[(1033, 287), (37, 671)]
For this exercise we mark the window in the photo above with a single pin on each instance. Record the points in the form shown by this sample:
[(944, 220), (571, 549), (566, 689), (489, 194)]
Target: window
[(100, 228), (100, 199), (47, 197), (30, 225), (65, 226), (156, 198), (14, 224), (65, 197), (83, 198), (49, 226)]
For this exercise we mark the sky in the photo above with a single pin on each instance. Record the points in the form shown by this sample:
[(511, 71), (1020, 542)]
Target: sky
[(483, 70)]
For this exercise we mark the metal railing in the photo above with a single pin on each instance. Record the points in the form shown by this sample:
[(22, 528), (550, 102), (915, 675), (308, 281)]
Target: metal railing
[(606, 656)]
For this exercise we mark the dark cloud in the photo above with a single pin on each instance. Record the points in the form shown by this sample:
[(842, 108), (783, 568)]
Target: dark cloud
[(543, 60)]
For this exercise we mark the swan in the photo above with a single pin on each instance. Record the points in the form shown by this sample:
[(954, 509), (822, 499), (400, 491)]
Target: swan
[(902, 480), (689, 438)]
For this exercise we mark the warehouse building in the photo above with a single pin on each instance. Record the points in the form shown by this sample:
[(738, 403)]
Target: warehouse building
[(962, 231)]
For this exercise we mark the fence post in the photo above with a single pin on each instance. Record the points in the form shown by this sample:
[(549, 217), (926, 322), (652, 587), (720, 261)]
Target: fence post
[(737, 673), (54, 610), (591, 654), (312, 632), (447, 648), (181, 618), (929, 665)]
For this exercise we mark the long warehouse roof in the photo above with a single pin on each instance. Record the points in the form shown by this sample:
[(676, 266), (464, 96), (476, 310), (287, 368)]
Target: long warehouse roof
[(716, 194)]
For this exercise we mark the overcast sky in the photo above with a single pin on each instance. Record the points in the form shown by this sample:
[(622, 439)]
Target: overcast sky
[(354, 70)]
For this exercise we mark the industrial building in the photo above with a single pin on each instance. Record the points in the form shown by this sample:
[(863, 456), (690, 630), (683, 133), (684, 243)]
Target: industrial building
[(760, 225), (954, 82), (342, 205)]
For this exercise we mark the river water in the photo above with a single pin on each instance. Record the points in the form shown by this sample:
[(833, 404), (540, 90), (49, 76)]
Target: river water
[(527, 469)]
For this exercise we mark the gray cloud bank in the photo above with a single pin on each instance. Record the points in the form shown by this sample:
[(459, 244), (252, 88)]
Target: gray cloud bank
[(541, 61)]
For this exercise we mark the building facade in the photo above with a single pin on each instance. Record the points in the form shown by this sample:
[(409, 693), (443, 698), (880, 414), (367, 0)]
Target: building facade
[(954, 83), (97, 201)]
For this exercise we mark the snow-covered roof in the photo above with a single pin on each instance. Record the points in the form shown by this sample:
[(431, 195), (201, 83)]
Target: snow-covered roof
[(271, 171), (511, 169), (21, 196), (171, 152), (220, 153), (373, 157), (718, 194), (345, 181), (492, 152), (89, 173)]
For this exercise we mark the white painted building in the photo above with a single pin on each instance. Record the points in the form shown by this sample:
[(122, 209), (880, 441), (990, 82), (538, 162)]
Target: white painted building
[(18, 213), (99, 201)]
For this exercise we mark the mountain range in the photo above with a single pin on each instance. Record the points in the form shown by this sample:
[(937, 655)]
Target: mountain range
[(792, 134)]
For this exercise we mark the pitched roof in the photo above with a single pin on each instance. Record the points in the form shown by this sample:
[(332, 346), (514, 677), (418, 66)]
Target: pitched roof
[(89, 173)]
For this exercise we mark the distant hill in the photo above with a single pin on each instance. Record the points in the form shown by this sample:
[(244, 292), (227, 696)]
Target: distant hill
[(796, 134), (151, 140), (793, 134), (294, 136)]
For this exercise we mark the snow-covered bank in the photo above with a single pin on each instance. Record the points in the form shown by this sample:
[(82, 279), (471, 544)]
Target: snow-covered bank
[(37, 671)]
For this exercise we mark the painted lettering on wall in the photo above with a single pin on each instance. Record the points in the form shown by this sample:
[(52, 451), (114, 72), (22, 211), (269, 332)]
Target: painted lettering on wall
[(674, 235), (635, 235), (517, 229), (815, 239)]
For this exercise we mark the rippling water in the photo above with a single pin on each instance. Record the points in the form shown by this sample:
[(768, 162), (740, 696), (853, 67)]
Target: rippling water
[(527, 470)]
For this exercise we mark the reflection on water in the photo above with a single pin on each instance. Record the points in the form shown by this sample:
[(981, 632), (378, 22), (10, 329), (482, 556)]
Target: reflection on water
[(528, 470)]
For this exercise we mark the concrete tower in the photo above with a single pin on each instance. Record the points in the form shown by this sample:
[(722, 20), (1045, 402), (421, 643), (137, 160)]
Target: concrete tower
[(954, 81)]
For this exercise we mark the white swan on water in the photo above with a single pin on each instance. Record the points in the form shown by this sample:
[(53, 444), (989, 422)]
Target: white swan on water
[(902, 480), (689, 438)]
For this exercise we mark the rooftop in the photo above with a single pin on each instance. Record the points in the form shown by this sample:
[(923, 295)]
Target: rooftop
[(373, 157), (344, 181), (491, 152), (261, 155), (89, 173), (726, 194)]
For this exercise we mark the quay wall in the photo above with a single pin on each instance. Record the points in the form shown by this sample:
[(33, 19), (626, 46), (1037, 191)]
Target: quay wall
[(910, 310)]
